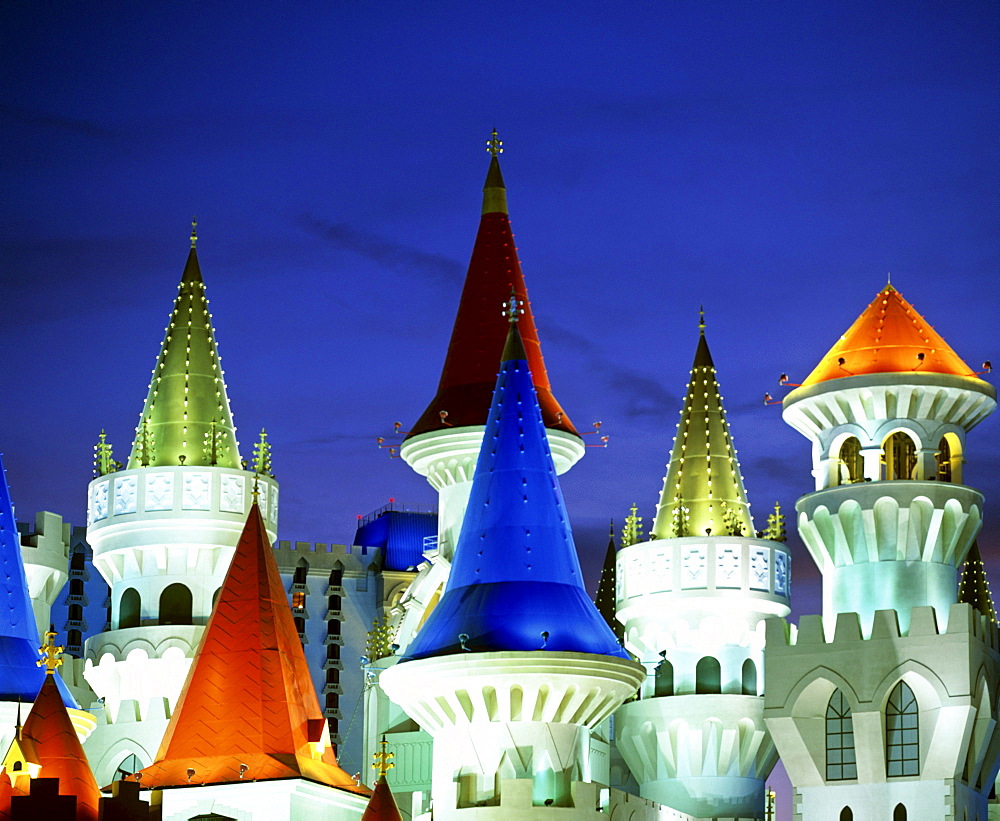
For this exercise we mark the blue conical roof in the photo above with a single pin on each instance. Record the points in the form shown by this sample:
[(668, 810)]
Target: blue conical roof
[(516, 575), (20, 677)]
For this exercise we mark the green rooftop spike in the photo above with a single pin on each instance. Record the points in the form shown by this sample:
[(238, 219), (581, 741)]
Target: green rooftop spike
[(974, 588), (703, 491), (605, 598), (186, 419)]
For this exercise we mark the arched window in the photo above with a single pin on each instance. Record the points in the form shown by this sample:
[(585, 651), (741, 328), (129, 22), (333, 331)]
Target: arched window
[(175, 604), (215, 597), (902, 745), (75, 613), (944, 460), (749, 678), (74, 638), (337, 575), (846, 814), (300, 625), (76, 587), (899, 456), (301, 572), (333, 652), (663, 684), (708, 676), (129, 609), (852, 465), (841, 761), (77, 560), (899, 814)]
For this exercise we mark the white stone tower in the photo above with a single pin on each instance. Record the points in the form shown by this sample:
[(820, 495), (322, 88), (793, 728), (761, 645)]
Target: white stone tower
[(886, 707), (693, 600), (515, 665), (163, 531)]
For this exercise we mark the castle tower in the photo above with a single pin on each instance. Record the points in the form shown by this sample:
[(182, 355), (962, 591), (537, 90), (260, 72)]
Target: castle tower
[(248, 733), (693, 600), (163, 531), (444, 442), (514, 665), (886, 706)]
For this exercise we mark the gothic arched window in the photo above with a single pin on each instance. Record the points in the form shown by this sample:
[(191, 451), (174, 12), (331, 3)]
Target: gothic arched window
[(841, 761), (899, 814), (902, 745)]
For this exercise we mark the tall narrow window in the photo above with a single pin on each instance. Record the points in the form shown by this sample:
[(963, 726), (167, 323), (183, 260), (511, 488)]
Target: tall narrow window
[(846, 814), (899, 456), (663, 684), (852, 465), (708, 676), (128, 609), (841, 762), (749, 678), (899, 814), (944, 460), (902, 746)]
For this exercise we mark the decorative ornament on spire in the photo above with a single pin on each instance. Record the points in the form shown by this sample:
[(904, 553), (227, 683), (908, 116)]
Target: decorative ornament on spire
[(51, 655), (513, 308), (194, 231), (632, 531), (701, 319), (262, 455), (493, 145), (383, 758), (104, 462)]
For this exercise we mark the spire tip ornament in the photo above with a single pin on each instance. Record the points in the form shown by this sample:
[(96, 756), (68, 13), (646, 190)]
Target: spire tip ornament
[(382, 758), (51, 655), (513, 308), (194, 232), (701, 319), (493, 145)]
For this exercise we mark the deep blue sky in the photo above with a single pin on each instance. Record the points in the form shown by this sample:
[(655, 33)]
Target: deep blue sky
[(773, 161)]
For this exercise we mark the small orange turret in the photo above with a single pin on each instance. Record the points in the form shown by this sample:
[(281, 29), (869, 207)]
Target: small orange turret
[(889, 337)]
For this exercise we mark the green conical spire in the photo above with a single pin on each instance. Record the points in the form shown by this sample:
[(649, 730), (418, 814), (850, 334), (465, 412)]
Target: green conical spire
[(974, 588), (186, 419), (606, 593), (703, 491)]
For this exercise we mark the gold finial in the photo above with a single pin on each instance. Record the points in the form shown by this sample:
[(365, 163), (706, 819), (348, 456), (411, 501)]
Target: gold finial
[(701, 318), (255, 493), (512, 307), (194, 231), (382, 763), (51, 654), (493, 145)]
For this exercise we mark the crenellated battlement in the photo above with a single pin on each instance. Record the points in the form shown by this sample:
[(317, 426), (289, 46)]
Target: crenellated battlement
[(846, 628)]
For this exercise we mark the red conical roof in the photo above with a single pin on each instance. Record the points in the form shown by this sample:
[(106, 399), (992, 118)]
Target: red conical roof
[(382, 806), (248, 700), (889, 337), (477, 339), (54, 745)]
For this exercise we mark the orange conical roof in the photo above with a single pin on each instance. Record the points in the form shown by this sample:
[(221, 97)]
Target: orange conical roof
[(53, 743), (382, 806), (477, 339), (889, 337), (248, 708)]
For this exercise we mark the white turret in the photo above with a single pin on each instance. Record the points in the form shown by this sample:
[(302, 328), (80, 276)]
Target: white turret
[(163, 531), (693, 600)]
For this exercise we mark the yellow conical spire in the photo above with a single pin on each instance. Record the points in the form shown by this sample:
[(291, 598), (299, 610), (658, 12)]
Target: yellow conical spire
[(703, 491), (186, 419)]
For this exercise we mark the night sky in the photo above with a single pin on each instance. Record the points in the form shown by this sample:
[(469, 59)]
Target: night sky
[(774, 162)]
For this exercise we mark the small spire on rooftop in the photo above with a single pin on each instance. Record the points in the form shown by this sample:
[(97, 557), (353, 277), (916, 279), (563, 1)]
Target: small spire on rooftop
[(383, 758), (194, 231)]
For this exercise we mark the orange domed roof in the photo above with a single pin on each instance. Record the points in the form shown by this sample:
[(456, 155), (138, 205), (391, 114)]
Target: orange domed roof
[(889, 337)]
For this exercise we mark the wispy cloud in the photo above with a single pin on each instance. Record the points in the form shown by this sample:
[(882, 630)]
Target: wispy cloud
[(404, 259), (39, 119)]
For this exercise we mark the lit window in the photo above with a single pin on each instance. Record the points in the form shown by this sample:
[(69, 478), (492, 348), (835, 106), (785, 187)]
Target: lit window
[(298, 600)]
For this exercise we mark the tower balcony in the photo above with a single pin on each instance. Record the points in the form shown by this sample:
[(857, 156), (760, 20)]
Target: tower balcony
[(704, 592), (699, 753), (889, 545)]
